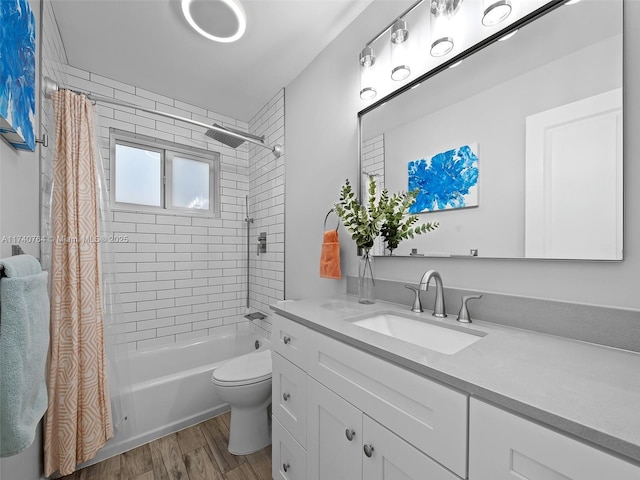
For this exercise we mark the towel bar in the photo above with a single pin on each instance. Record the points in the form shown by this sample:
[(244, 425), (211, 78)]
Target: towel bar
[(327, 216), (15, 250)]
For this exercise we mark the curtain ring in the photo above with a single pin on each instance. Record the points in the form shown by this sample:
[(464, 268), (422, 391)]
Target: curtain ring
[(325, 220)]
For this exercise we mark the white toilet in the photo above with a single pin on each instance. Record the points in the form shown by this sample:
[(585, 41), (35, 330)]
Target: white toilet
[(244, 383)]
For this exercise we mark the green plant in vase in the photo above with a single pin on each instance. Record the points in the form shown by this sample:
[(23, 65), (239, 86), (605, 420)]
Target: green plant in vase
[(385, 216), (398, 225), (364, 223)]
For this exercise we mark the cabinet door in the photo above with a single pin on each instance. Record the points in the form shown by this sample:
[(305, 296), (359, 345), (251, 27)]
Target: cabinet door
[(331, 455), (503, 446), (394, 459), (289, 461), (289, 397)]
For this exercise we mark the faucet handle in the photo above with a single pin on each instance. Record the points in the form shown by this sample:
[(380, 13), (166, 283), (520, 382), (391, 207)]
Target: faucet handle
[(463, 314), (417, 306)]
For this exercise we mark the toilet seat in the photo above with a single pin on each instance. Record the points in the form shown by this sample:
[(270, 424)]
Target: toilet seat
[(246, 369)]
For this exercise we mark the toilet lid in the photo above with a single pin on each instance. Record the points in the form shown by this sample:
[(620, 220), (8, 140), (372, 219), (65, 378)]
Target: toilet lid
[(250, 368)]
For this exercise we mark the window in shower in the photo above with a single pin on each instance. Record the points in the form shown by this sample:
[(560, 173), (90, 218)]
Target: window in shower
[(148, 174)]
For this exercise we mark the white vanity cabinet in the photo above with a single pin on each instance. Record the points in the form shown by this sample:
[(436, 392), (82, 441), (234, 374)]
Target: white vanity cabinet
[(426, 414), (340, 413), (504, 446), (420, 426), (345, 444)]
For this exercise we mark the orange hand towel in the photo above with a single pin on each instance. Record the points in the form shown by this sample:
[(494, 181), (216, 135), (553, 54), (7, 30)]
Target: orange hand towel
[(330, 256)]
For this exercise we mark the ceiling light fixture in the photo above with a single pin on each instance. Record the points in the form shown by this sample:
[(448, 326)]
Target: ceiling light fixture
[(233, 6), (495, 12), (400, 50), (367, 73)]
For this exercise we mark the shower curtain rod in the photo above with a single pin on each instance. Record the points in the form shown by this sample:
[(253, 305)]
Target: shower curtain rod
[(50, 86)]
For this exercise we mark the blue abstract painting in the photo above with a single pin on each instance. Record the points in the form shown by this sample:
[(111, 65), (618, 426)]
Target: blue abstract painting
[(17, 73), (448, 180)]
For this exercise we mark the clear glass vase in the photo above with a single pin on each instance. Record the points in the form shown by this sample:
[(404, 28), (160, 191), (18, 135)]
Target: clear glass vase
[(366, 279)]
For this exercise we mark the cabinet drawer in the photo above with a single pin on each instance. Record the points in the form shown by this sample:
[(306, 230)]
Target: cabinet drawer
[(430, 416), (289, 339), (289, 397), (503, 446), (289, 459)]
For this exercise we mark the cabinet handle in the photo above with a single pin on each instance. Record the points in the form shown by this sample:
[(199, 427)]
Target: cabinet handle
[(286, 340), (286, 396), (350, 434), (368, 450), (286, 466)]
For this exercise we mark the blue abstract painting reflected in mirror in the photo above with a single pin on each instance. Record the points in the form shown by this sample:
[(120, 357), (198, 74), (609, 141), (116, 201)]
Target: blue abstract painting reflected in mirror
[(448, 180), (17, 73)]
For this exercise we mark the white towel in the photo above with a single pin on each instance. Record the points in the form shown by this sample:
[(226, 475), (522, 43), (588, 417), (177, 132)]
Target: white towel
[(24, 343)]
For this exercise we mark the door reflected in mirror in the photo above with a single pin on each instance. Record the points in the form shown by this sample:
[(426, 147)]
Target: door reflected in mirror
[(544, 111)]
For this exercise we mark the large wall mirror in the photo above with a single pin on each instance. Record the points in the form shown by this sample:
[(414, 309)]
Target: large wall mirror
[(542, 112)]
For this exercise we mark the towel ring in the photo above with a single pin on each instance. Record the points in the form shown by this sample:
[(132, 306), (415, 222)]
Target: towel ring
[(325, 220)]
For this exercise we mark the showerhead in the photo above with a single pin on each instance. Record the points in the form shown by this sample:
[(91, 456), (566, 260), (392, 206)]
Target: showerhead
[(234, 141)]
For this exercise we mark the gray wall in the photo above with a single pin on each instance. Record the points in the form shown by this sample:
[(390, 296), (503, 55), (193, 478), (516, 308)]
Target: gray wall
[(19, 199), (19, 186), (321, 130), (19, 215)]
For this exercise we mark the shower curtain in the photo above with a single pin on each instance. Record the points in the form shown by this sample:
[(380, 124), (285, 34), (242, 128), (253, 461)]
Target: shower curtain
[(78, 420)]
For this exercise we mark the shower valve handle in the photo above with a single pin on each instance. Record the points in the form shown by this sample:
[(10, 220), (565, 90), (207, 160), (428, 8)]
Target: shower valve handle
[(285, 466), (286, 340), (286, 396)]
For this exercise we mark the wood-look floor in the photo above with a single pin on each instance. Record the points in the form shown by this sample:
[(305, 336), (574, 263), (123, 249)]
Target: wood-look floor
[(196, 453)]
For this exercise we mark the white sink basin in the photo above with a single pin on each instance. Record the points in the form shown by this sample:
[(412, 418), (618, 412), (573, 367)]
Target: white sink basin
[(446, 339)]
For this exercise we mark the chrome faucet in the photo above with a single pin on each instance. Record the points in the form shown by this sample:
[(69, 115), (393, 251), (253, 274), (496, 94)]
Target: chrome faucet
[(438, 308)]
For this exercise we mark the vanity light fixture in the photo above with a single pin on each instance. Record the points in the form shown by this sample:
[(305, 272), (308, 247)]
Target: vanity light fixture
[(400, 50), (367, 73), (208, 29), (455, 64), (441, 46), (495, 12), (440, 15)]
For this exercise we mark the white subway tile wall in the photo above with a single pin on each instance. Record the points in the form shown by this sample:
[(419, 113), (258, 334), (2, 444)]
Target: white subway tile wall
[(373, 156), (184, 277), (266, 206)]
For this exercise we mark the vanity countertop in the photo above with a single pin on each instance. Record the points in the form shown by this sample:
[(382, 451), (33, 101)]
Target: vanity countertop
[(589, 391)]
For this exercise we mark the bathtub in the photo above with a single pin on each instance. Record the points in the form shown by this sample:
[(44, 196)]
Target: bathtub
[(171, 388)]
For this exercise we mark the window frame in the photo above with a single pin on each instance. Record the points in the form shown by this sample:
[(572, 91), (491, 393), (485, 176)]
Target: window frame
[(168, 150)]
